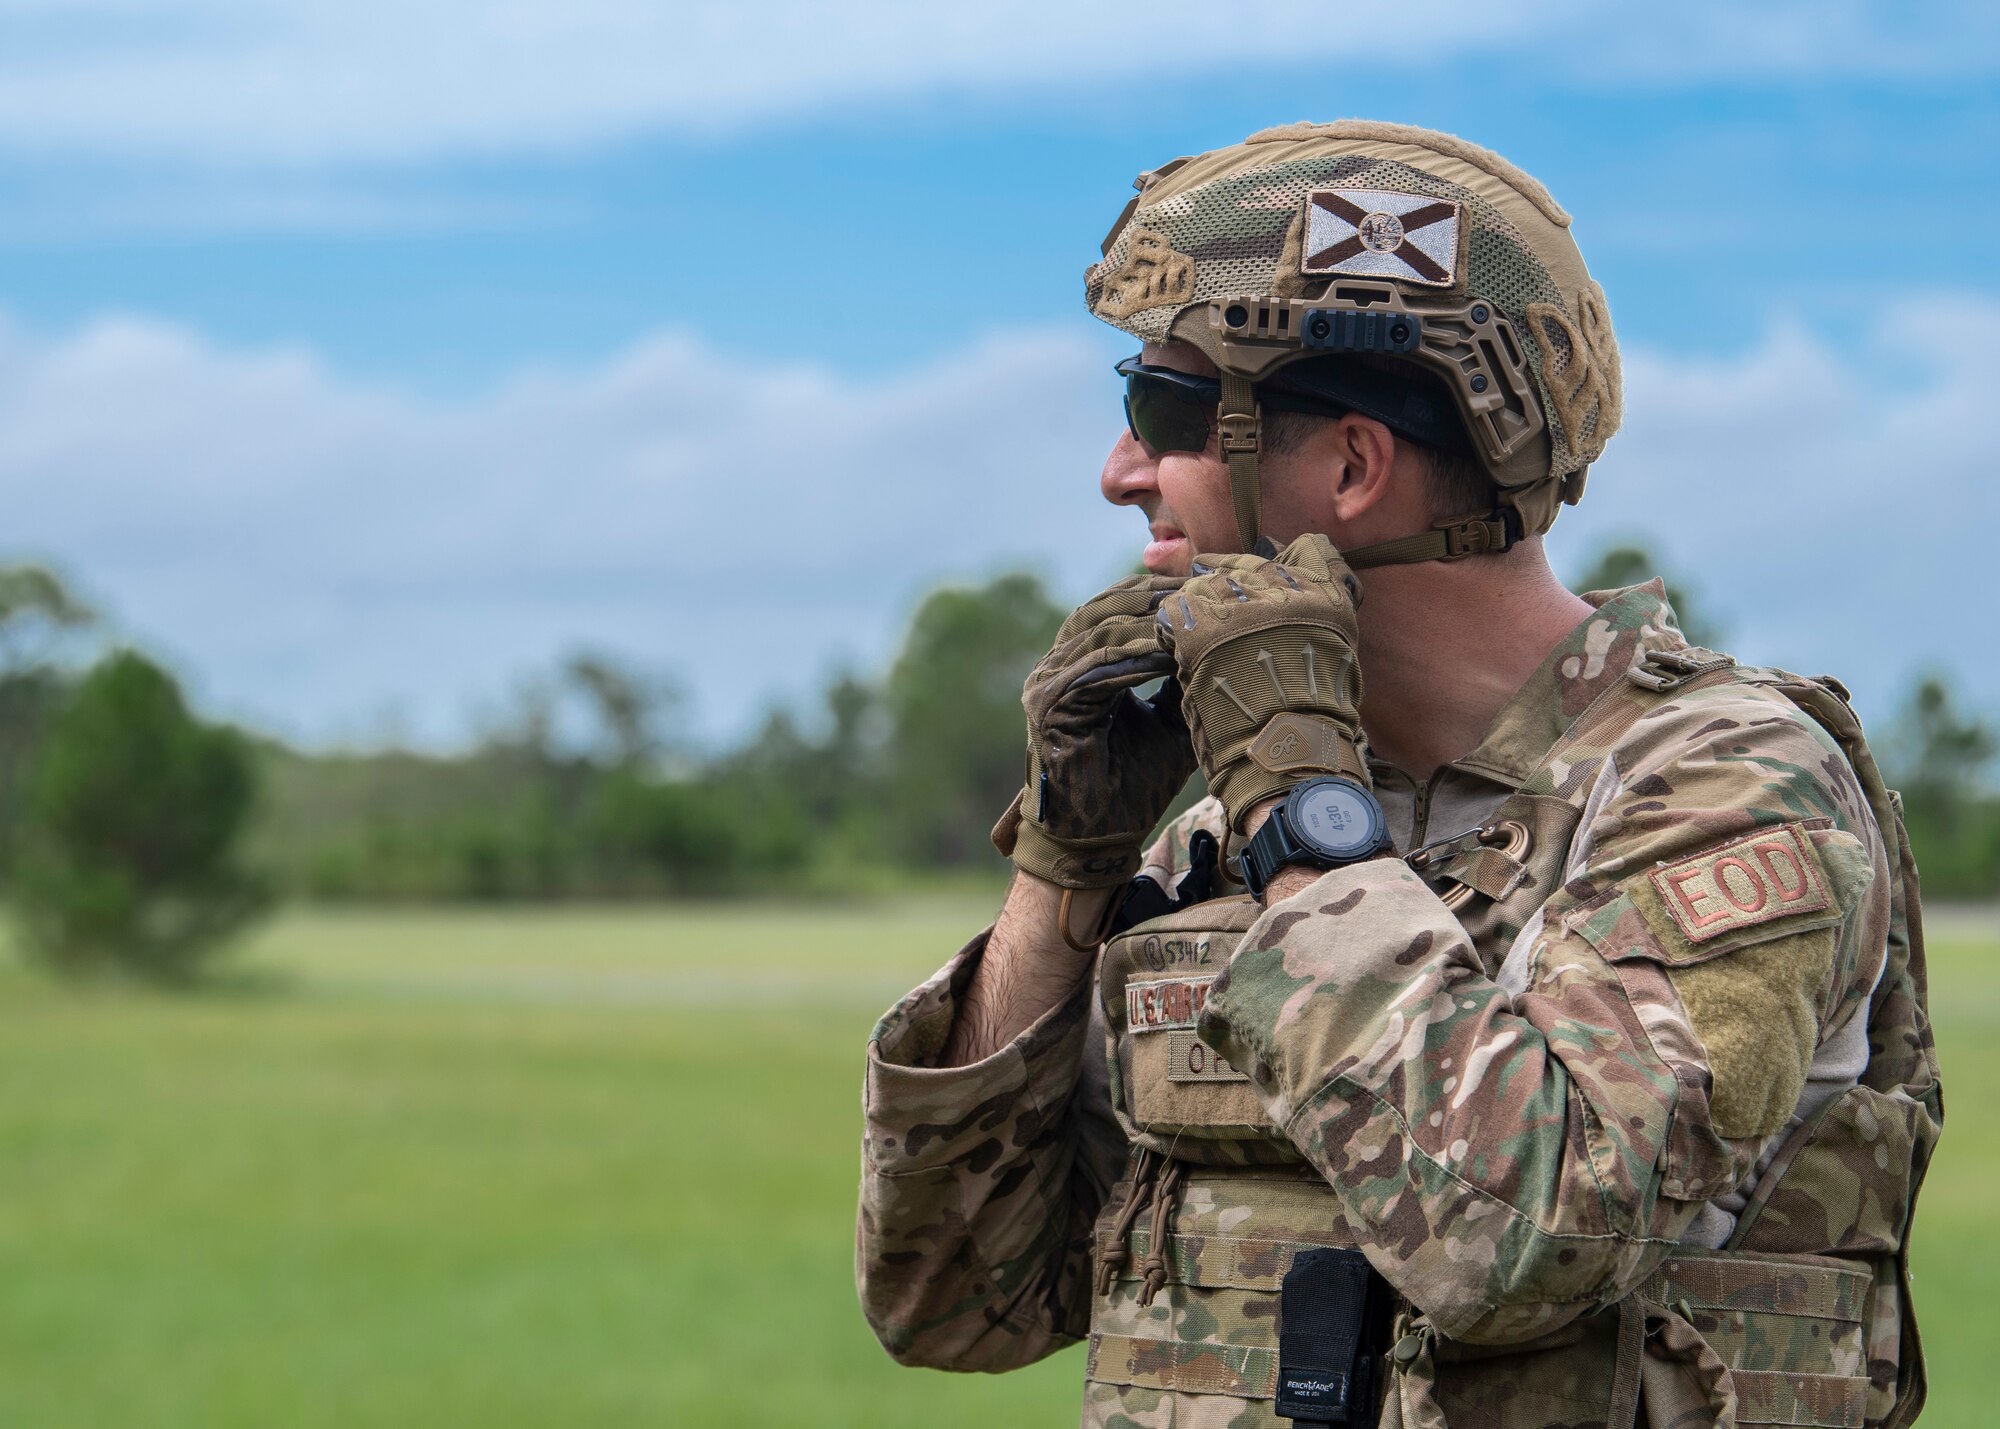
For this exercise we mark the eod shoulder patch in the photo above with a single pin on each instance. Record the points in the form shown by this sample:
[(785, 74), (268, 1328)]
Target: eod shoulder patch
[(1769, 875)]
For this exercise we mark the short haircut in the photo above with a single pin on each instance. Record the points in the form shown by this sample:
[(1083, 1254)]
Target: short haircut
[(1458, 484)]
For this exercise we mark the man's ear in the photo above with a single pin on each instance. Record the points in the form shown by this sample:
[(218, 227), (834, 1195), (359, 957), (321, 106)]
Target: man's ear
[(1367, 454)]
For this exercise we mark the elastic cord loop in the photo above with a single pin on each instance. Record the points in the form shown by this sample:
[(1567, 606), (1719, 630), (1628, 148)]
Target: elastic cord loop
[(1103, 929)]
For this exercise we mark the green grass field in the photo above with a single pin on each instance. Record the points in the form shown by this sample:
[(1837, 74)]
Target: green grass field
[(541, 1168)]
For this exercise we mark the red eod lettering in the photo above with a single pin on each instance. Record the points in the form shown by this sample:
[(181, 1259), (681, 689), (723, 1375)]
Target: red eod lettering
[(1753, 880)]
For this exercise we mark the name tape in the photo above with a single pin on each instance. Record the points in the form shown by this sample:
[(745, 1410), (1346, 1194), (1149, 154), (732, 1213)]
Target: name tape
[(1165, 1004), (1189, 1059)]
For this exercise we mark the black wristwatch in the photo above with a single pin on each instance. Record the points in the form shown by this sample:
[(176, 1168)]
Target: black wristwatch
[(1323, 823)]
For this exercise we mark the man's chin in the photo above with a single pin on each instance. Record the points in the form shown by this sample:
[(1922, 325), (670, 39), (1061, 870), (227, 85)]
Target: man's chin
[(1173, 557)]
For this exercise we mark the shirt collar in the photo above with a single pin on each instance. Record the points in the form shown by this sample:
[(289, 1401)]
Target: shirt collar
[(1591, 658)]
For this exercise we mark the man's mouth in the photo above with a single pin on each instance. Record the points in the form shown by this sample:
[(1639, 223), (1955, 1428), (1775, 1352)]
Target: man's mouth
[(1167, 549)]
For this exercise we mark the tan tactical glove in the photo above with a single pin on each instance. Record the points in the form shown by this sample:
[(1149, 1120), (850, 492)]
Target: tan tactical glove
[(1103, 764), (1272, 690)]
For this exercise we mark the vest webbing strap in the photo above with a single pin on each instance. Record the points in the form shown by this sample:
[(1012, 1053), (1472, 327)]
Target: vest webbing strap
[(1825, 1401), (1816, 1288), (1788, 1397), (1214, 1261), (1184, 1366)]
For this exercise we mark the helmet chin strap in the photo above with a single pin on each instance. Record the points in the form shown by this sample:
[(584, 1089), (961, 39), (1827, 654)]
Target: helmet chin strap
[(1241, 426), (1452, 539)]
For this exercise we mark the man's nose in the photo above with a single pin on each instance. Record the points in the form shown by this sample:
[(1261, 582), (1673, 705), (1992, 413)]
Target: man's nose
[(1130, 474)]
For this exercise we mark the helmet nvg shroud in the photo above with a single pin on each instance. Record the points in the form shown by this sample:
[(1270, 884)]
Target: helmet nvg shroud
[(1387, 244)]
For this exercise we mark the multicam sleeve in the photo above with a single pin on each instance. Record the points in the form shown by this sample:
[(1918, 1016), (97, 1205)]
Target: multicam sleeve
[(1520, 1157), (1167, 859), (979, 1184)]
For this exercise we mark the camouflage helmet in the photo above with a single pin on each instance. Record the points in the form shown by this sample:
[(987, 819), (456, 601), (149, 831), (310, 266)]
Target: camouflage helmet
[(1389, 244)]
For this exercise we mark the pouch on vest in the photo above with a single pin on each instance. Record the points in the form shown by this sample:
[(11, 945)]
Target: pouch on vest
[(1333, 1327), (1172, 1091)]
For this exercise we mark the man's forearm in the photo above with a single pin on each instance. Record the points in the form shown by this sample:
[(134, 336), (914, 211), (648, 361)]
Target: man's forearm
[(979, 1184), (1286, 881), (1027, 969)]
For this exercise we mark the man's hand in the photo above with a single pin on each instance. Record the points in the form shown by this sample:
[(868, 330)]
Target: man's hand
[(1103, 764), (1265, 651)]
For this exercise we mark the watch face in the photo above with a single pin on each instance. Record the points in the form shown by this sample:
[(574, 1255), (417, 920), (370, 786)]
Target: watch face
[(1336, 817)]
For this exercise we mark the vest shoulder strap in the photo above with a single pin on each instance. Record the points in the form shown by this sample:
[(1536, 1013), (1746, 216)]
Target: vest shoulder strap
[(1571, 764)]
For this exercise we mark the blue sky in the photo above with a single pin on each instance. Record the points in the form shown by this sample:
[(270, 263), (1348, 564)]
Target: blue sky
[(363, 359)]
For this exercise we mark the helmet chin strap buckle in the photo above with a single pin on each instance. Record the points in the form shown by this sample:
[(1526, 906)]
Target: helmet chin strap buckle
[(1239, 434), (1452, 539), (1480, 535), (1240, 424)]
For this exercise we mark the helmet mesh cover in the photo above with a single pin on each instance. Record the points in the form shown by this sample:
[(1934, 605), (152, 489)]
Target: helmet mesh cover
[(1242, 232)]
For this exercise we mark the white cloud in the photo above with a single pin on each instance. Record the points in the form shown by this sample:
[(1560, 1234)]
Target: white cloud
[(316, 82), (81, 203), (316, 551), (1838, 513)]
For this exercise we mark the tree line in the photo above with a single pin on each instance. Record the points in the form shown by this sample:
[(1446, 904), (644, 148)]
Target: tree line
[(135, 834)]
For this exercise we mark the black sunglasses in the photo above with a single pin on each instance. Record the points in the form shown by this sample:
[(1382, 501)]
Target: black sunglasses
[(1174, 411), (1167, 409)]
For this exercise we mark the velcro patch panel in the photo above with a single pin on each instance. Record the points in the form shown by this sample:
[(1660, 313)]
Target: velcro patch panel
[(1189, 1059)]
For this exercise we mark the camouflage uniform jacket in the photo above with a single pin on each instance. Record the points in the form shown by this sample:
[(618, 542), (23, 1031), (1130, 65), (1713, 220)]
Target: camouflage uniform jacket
[(1525, 1101)]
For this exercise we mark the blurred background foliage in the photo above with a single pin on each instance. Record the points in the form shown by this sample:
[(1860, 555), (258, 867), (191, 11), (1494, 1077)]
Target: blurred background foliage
[(130, 824), (543, 1076), (135, 833)]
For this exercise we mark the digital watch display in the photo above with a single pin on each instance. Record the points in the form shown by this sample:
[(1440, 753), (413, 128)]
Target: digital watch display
[(1323, 823)]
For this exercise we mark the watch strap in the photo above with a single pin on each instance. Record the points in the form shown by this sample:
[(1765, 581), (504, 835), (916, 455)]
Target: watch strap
[(1270, 849), (1276, 846)]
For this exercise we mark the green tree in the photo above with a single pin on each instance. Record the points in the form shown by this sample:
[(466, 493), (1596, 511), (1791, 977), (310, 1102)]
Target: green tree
[(1939, 757), (1629, 563), (953, 701), (663, 837), (633, 716), (811, 791), (37, 614), (131, 819), (1934, 751)]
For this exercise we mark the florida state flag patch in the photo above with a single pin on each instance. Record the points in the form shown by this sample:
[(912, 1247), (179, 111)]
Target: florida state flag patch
[(1759, 879), (1377, 233)]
